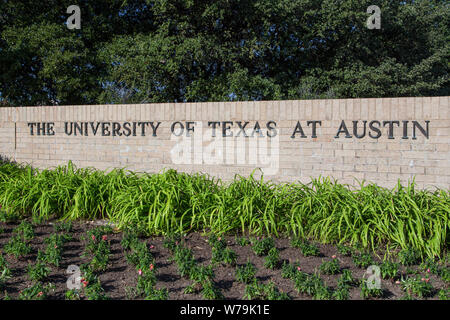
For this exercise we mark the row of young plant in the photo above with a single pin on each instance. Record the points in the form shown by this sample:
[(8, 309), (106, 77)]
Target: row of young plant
[(97, 248), (172, 202), (313, 285), (203, 280), (50, 258), (137, 253)]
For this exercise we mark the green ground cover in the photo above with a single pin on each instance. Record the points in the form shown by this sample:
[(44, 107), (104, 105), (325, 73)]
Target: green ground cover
[(170, 202)]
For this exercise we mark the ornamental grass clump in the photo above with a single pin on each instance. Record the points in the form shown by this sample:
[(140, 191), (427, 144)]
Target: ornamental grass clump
[(170, 202)]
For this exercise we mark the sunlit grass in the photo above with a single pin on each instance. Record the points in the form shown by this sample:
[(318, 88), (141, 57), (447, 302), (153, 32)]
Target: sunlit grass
[(169, 202)]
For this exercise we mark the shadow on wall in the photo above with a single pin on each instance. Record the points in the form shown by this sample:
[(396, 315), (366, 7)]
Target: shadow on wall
[(4, 160)]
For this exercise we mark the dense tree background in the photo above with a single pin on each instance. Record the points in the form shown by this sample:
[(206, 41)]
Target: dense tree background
[(189, 50)]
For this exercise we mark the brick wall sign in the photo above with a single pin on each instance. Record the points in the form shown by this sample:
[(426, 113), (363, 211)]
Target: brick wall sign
[(379, 140)]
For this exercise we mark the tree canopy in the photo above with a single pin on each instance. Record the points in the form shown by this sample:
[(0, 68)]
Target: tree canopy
[(135, 51)]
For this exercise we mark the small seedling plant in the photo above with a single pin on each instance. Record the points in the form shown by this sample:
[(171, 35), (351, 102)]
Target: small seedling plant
[(54, 249), (66, 227), (307, 248), (312, 285), (203, 280), (202, 276), (139, 255), (409, 257), (220, 253), (38, 271), (37, 291), (72, 294), (95, 291), (345, 250), (17, 247), (246, 273), (96, 235), (258, 291), (417, 286), (330, 267), (272, 261), (341, 293), (5, 271), (100, 257), (91, 284), (242, 241), (184, 258), (431, 266), (444, 294), (25, 229), (344, 283), (389, 270), (347, 279), (362, 260), (370, 291), (261, 247), (129, 240), (288, 271), (98, 247), (172, 242), (146, 285)]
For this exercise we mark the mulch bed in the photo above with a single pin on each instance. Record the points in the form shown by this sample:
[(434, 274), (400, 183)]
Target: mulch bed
[(120, 274)]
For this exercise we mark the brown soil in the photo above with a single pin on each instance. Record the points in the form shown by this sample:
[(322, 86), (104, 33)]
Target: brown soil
[(121, 275)]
